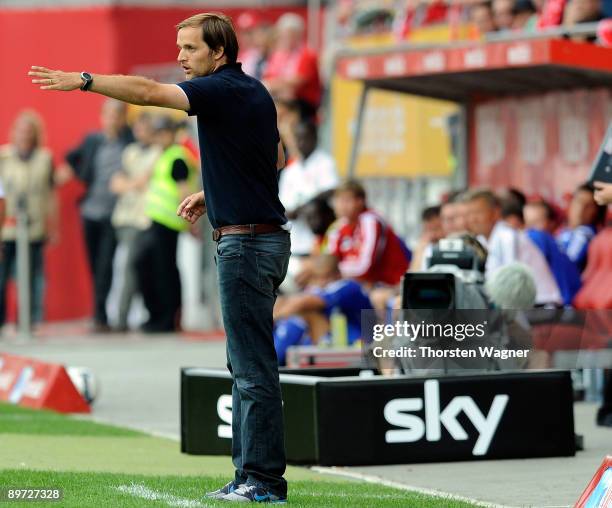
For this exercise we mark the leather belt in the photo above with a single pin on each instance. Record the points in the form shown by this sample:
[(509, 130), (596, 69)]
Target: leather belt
[(247, 229)]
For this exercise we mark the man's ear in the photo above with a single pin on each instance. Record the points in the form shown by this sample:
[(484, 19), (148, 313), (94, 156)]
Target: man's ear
[(218, 53)]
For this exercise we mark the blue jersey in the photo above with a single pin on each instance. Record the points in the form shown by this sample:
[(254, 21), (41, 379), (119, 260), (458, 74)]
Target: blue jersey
[(345, 295), (563, 269), (350, 299), (575, 243)]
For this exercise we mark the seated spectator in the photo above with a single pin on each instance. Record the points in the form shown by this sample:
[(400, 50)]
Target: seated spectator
[(255, 43), (604, 29), (319, 216), (373, 19), (453, 214), (292, 71), (507, 244), (511, 202), (420, 14), (582, 11), (481, 16), (551, 14), (540, 215), (384, 298), (565, 272), (503, 14), (524, 16), (431, 233), (452, 222), (583, 219), (305, 318), (368, 248), (311, 174)]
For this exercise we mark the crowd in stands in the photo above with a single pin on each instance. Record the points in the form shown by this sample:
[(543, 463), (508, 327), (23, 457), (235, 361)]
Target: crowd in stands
[(345, 256), (404, 17), (534, 15), (135, 177), (278, 55), (356, 259), (134, 180)]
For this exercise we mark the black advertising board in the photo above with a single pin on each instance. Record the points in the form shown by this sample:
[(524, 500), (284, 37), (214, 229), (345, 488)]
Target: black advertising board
[(206, 414), (378, 420), (444, 419)]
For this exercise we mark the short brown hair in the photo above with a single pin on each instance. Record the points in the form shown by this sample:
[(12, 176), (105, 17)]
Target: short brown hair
[(486, 195), (217, 31), (551, 213), (352, 186)]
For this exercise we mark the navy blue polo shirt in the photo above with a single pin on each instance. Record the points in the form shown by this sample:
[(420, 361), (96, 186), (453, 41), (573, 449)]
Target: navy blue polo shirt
[(238, 145)]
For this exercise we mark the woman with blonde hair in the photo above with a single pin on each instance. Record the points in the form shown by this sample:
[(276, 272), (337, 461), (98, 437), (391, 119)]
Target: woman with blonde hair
[(26, 172)]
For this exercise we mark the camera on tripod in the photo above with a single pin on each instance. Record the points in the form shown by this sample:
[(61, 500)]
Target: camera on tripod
[(453, 280)]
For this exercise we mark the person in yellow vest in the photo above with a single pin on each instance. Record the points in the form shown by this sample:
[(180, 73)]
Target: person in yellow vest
[(173, 178), (129, 218), (26, 172)]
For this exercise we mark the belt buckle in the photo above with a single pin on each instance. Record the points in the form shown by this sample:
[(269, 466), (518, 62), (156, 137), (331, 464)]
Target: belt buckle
[(216, 234)]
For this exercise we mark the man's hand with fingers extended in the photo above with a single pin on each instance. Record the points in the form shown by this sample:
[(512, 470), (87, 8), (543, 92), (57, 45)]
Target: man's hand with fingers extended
[(55, 80), (192, 207)]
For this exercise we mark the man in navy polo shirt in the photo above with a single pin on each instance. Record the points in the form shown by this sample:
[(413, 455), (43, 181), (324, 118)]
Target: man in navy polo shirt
[(241, 152)]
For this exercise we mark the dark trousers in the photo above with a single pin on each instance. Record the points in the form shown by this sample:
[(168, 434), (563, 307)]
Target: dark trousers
[(158, 277), (605, 411), (101, 243), (8, 265), (250, 270)]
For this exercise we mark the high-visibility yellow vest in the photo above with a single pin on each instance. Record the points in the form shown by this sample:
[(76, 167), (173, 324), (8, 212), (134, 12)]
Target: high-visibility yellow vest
[(163, 195)]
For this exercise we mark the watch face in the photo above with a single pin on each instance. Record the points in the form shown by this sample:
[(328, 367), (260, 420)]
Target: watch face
[(86, 75)]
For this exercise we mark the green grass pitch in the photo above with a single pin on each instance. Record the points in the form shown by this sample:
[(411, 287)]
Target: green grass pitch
[(105, 466)]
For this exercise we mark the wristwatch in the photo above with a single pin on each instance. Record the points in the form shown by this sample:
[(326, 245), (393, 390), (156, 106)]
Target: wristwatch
[(87, 81)]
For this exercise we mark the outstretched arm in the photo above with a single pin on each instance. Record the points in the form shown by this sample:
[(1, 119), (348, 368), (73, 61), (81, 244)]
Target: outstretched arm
[(133, 89)]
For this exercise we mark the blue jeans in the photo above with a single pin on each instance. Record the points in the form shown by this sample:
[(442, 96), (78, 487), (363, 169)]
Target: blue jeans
[(250, 270)]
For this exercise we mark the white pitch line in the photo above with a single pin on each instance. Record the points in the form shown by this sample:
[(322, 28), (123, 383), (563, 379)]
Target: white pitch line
[(144, 492), (396, 485)]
